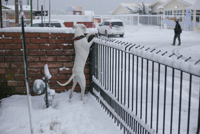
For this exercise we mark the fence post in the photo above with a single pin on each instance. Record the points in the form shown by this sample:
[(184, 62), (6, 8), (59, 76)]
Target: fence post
[(92, 65)]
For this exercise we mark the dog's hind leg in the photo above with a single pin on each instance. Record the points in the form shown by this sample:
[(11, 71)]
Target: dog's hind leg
[(73, 87), (82, 83)]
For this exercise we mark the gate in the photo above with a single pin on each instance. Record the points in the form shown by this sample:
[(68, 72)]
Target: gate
[(145, 91)]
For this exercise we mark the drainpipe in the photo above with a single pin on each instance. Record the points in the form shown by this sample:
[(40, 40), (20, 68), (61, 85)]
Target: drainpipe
[(16, 13)]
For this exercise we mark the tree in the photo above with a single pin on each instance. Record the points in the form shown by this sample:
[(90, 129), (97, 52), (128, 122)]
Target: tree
[(141, 8)]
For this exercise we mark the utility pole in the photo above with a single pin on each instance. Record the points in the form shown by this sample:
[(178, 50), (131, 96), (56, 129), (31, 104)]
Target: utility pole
[(31, 13), (49, 13), (1, 21), (37, 5), (16, 13)]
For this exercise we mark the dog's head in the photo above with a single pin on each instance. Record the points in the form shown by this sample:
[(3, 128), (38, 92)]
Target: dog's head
[(80, 28)]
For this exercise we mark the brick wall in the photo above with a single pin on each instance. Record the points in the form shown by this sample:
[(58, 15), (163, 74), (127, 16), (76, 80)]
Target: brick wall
[(42, 48)]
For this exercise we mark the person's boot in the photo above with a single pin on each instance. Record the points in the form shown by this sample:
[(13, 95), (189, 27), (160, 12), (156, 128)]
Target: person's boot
[(173, 44), (179, 44)]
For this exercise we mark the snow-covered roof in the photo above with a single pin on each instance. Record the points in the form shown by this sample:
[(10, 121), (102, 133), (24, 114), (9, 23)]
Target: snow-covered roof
[(188, 2), (74, 8), (25, 7), (158, 1), (195, 6), (88, 13), (133, 5)]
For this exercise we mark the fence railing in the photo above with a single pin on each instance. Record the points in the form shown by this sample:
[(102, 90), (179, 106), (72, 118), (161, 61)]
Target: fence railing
[(145, 91)]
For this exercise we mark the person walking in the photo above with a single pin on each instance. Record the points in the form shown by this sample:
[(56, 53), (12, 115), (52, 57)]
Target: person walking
[(177, 33)]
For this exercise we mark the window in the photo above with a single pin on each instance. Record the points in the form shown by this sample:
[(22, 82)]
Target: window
[(107, 23), (117, 24), (168, 12)]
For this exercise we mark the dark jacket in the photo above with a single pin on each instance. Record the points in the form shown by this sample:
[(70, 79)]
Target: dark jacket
[(177, 29)]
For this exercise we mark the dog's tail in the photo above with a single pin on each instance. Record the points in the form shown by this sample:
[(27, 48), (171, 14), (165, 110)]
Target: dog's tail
[(73, 75)]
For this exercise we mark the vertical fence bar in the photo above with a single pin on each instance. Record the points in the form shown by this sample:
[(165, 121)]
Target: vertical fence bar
[(125, 79), (152, 94), (180, 102), (189, 103), (118, 73), (129, 80), (111, 70), (115, 78), (164, 107), (105, 67), (136, 85), (147, 74), (102, 64), (121, 74), (158, 97), (92, 59), (133, 64), (198, 124), (141, 88), (172, 101)]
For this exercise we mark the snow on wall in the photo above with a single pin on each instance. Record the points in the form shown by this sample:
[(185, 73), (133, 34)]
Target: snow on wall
[(45, 30)]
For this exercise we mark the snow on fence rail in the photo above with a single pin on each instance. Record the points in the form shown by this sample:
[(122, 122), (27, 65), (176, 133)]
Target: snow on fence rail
[(145, 90)]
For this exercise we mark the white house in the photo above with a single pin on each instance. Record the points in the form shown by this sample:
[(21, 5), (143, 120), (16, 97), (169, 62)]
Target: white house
[(124, 8)]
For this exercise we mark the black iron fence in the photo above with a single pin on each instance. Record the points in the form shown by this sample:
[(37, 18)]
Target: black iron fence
[(145, 91)]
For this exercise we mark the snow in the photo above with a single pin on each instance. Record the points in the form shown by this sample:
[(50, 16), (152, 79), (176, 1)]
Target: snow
[(45, 30), (160, 40), (46, 72), (63, 68), (74, 117), (63, 117)]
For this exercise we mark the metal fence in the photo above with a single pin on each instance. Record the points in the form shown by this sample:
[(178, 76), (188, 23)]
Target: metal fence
[(145, 91), (149, 20)]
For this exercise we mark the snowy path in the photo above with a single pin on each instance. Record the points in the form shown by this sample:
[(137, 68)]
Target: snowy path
[(153, 37), (64, 118)]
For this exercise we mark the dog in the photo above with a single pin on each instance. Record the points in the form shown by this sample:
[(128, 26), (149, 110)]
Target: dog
[(82, 49)]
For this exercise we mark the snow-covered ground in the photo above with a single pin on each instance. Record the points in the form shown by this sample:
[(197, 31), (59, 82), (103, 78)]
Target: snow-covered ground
[(74, 117), (63, 117), (162, 39)]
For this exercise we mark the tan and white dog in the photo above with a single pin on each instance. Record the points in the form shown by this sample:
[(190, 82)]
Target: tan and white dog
[(82, 49)]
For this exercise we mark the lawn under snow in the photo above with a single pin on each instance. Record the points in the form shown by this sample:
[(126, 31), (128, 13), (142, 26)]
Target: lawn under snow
[(63, 117)]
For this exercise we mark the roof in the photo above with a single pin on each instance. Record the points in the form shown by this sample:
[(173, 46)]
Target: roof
[(133, 5), (188, 2), (195, 6), (88, 13), (12, 7), (160, 1)]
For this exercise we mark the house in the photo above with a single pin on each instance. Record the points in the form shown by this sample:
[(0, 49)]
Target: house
[(126, 8), (74, 10), (8, 14), (154, 6), (177, 9)]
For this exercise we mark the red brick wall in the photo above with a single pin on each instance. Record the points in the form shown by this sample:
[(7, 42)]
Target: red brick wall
[(42, 48), (87, 24)]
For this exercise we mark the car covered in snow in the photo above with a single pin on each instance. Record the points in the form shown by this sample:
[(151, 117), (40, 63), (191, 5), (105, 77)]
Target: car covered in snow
[(111, 27)]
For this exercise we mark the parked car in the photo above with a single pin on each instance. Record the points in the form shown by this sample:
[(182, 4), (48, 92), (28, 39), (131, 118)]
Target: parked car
[(111, 27), (54, 23)]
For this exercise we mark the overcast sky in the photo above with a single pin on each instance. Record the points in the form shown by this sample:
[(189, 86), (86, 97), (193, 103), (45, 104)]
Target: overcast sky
[(100, 7)]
